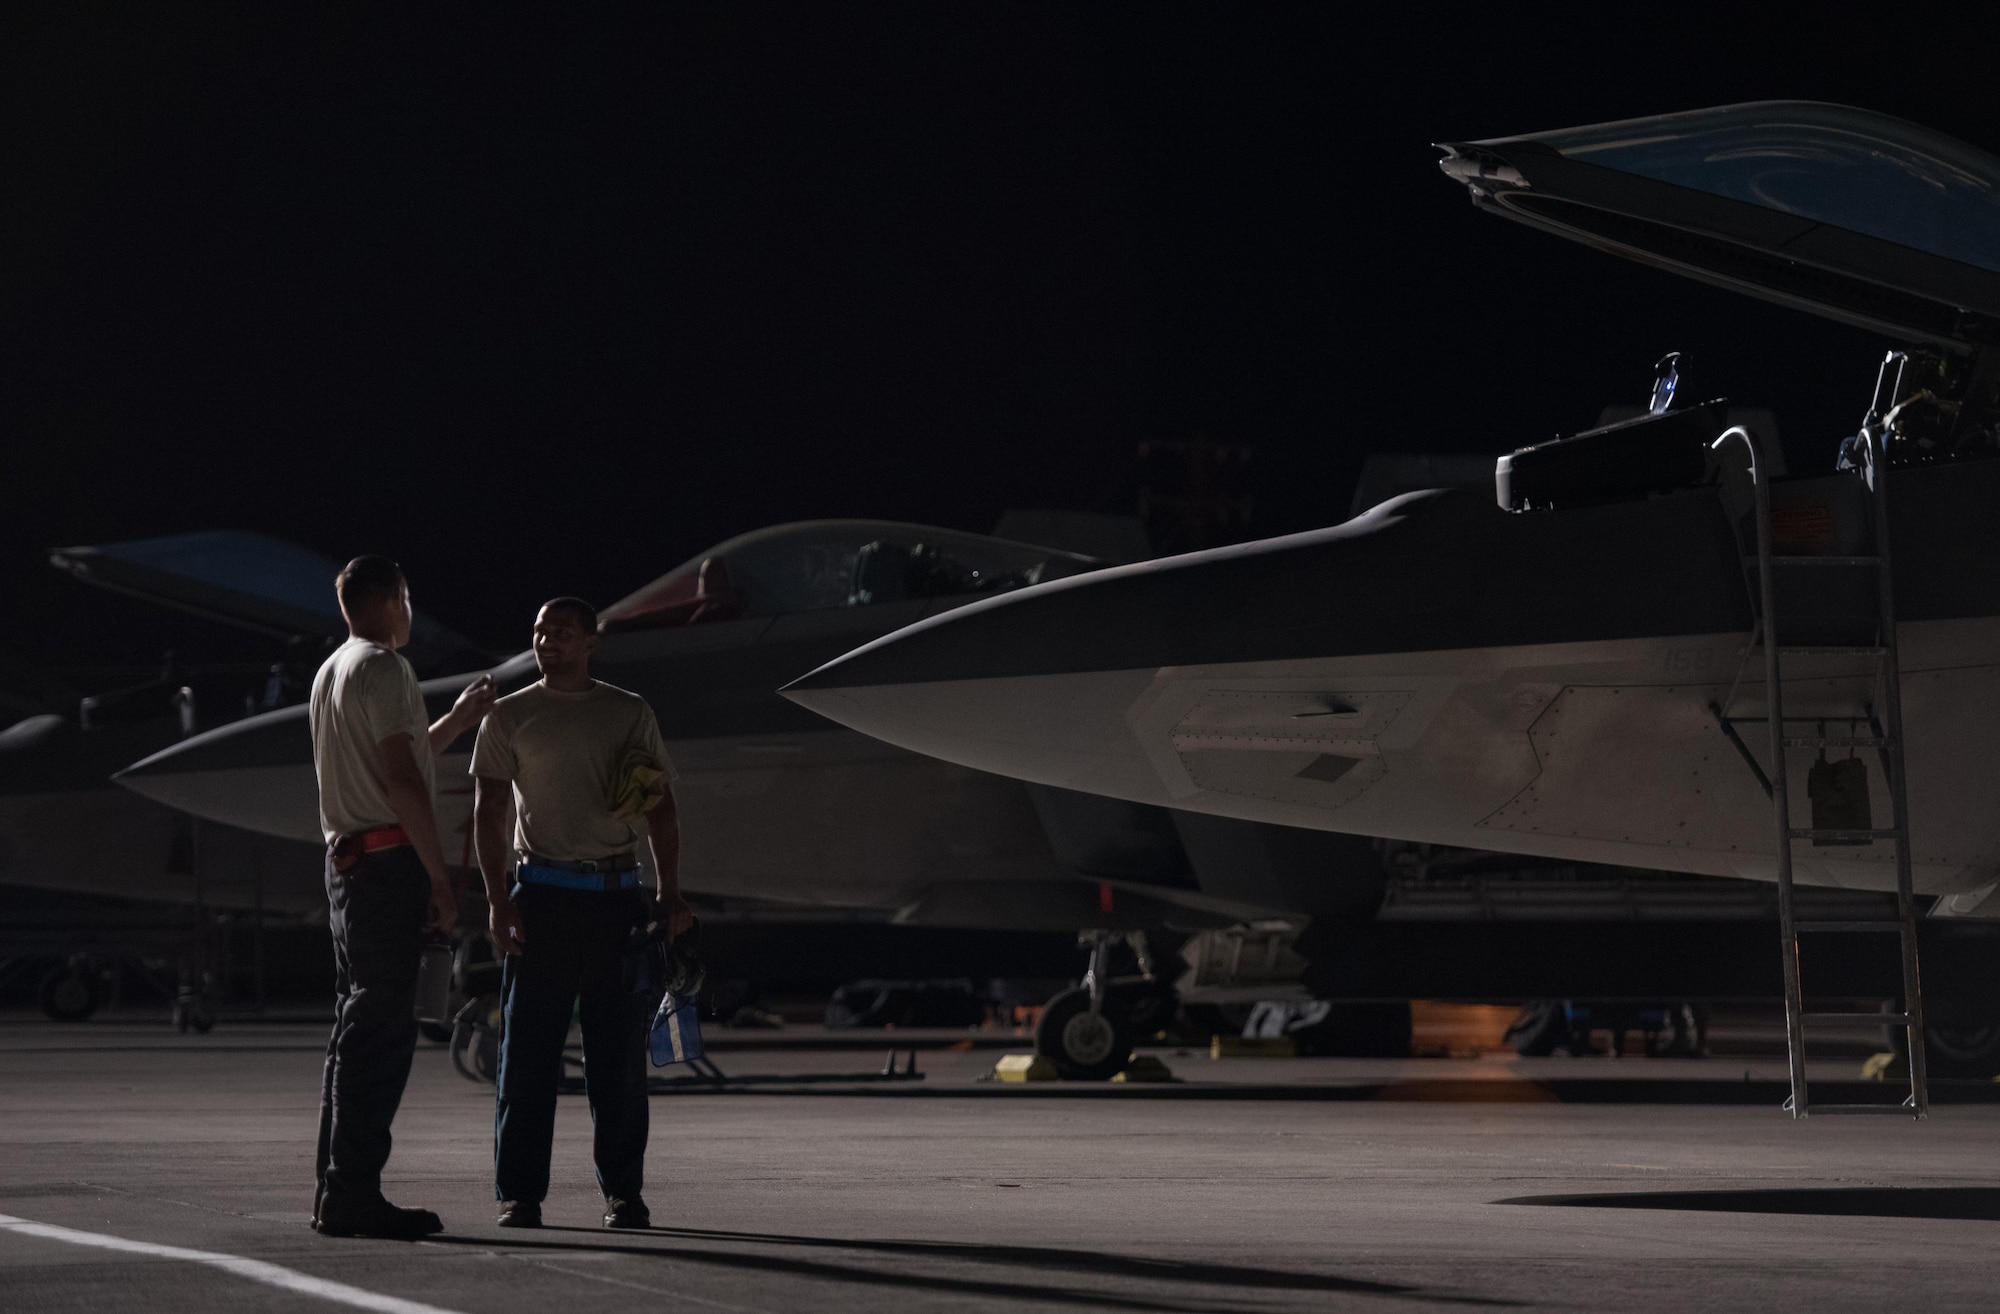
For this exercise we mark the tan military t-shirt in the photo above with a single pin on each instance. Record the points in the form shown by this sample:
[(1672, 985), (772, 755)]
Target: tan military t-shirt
[(363, 694), (562, 752)]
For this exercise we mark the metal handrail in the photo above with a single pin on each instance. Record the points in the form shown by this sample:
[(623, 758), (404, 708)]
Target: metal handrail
[(1781, 799), (1890, 673)]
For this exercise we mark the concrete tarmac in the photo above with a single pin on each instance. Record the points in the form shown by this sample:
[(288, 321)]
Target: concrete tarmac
[(1423, 1184)]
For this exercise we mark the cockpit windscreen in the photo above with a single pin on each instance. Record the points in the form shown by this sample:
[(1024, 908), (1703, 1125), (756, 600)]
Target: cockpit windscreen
[(1847, 168), (836, 563)]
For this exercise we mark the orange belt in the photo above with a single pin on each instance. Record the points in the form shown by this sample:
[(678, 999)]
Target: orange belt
[(389, 837)]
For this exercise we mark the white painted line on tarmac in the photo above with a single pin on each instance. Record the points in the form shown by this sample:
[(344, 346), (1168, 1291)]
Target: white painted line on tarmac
[(256, 1270)]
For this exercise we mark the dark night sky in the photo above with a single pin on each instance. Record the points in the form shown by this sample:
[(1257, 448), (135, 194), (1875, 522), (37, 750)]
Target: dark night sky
[(541, 305)]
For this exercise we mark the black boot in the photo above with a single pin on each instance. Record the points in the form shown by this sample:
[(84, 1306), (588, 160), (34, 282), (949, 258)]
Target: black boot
[(377, 1218), (520, 1213), (627, 1213)]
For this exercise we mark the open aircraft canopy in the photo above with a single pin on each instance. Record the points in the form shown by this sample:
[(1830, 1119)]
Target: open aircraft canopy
[(817, 564), (1847, 213)]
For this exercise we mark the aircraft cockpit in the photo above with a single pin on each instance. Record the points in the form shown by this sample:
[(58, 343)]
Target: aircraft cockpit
[(817, 565), (1850, 214)]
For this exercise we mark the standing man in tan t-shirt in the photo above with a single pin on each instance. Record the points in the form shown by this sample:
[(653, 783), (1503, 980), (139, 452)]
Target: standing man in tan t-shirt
[(567, 750), (373, 753)]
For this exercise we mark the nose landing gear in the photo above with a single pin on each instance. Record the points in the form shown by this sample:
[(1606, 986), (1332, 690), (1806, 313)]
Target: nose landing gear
[(1088, 1030), (76, 989), (1085, 1043)]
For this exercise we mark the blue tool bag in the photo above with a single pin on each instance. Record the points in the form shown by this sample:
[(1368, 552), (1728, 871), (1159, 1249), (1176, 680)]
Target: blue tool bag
[(676, 1033), (675, 968)]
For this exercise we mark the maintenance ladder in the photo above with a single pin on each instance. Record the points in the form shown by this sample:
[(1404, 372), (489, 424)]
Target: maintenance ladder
[(1884, 734)]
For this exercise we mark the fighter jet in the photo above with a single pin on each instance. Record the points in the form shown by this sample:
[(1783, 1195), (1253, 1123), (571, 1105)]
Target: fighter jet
[(69, 833), (1565, 665), (65, 826)]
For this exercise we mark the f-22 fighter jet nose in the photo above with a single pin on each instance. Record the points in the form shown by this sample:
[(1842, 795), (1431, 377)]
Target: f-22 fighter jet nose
[(1064, 730), (1003, 686), (242, 774)]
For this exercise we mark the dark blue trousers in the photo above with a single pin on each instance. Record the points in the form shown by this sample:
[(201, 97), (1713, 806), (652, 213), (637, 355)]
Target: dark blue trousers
[(376, 910), (572, 963)]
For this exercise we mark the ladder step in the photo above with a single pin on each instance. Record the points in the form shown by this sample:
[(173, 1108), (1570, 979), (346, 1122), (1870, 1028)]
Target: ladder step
[(1837, 741), (1831, 650), (1886, 1019), (1817, 561), (1875, 924), (1902, 1109), (1850, 835)]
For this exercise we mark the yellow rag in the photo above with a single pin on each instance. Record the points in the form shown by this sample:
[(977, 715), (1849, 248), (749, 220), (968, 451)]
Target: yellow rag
[(638, 787)]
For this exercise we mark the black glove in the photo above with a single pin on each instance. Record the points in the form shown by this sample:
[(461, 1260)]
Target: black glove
[(685, 973), (677, 962)]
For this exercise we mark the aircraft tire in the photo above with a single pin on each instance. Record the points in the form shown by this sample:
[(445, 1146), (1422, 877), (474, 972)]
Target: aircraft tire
[(1960, 1046), (1084, 1046), (69, 993)]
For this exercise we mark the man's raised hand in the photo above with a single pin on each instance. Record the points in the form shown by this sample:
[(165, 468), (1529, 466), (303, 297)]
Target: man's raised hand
[(475, 700)]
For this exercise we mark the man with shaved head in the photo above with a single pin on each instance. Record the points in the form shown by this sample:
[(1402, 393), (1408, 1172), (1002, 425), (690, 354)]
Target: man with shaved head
[(582, 765), (374, 753)]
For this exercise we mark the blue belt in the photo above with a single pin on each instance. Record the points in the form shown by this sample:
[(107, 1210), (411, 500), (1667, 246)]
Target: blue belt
[(535, 874)]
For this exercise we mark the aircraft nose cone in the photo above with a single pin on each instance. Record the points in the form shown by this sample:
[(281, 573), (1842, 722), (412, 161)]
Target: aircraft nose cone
[(1063, 730), (1003, 686), (256, 773)]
